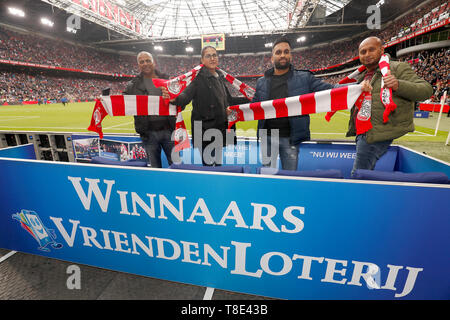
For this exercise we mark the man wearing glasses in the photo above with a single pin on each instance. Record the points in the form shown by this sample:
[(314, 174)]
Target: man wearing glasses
[(210, 99)]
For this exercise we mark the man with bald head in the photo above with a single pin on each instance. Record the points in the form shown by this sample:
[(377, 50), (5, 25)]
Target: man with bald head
[(374, 130), (155, 131)]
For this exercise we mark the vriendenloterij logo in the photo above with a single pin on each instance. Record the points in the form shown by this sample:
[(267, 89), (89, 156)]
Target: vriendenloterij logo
[(30, 221)]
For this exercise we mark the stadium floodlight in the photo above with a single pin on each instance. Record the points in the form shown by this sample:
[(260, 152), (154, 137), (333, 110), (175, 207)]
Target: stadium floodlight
[(268, 45), (72, 30), (301, 39), (16, 12), (158, 48), (189, 49), (47, 22)]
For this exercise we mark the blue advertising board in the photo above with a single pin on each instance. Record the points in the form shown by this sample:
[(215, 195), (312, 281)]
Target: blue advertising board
[(246, 153), (25, 151), (339, 156), (283, 237)]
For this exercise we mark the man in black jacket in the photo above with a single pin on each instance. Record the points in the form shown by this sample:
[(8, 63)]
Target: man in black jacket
[(210, 99), (155, 131)]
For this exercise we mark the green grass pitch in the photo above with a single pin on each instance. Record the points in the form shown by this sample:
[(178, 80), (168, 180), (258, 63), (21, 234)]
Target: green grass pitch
[(76, 117)]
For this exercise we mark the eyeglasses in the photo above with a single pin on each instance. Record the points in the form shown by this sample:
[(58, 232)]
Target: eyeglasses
[(210, 56)]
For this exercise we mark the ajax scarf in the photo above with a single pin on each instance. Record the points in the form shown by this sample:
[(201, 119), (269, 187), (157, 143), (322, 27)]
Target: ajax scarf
[(125, 105), (364, 103)]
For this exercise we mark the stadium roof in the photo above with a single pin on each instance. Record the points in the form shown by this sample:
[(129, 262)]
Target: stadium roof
[(322, 27), (177, 18)]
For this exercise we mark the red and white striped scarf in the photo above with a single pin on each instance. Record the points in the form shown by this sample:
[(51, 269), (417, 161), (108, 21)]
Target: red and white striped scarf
[(132, 105), (127, 105), (176, 85), (243, 88), (323, 101), (385, 95)]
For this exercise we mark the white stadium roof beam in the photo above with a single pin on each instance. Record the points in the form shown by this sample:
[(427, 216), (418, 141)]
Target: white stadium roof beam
[(177, 19), (89, 15)]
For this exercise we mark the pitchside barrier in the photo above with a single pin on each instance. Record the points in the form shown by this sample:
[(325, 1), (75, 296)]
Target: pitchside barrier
[(286, 237), (52, 146)]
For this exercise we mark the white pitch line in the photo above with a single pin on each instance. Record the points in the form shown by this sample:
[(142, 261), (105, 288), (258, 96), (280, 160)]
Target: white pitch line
[(16, 116), (6, 256), (119, 125), (427, 134), (208, 293), (10, 118)]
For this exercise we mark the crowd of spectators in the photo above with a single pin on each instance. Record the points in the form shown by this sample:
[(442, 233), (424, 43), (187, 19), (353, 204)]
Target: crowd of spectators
[(334, 79), (46, 51), (20, 86), (419, 18), (433, 66), (36, 49), (308, 59)]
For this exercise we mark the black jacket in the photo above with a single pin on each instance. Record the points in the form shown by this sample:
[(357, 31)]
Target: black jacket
[(208, 102), (210, 98), (143, 124)]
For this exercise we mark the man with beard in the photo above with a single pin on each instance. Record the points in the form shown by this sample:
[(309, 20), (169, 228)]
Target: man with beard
[(284, 135)]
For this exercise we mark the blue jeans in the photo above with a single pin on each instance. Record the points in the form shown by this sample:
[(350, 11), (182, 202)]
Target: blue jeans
[(367, 154), (154, 142), (281, 146)]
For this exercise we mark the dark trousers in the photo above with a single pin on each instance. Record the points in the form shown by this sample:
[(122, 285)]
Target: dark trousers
[(282, 146), (367, 154), (154, 142)]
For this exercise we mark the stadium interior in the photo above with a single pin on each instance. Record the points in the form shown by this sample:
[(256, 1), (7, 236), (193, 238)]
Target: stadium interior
[(54, 51), (77, 65)]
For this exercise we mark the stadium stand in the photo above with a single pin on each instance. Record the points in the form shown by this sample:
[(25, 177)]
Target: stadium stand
[(16, 88), (82, 82), (432, 65), (36, 68), (47, 51)]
